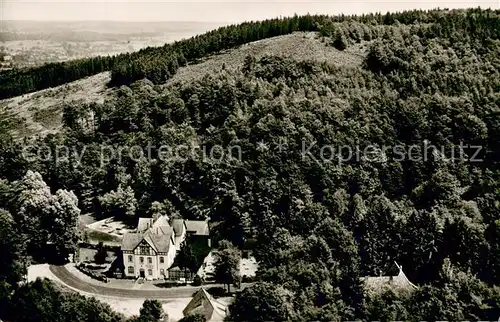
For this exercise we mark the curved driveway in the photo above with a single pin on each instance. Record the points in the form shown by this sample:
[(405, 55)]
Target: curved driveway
[(169, 293)]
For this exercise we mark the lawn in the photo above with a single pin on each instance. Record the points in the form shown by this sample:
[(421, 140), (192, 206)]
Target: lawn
[(108, 231), (97, 236), (111, 226)]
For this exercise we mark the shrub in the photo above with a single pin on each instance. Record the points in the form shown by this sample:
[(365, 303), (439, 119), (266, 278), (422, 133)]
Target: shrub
[(197, 281), (193, 318)]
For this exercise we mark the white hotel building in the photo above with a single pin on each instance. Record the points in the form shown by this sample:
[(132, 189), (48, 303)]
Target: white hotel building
[(150, 252)]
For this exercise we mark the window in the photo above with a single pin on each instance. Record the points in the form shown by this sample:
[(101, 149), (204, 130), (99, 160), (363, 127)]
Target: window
[(150, 272), (131, 269), (141, 259), (162, 260), (162, 272), (144, 250), (130, 258), (150, 260)]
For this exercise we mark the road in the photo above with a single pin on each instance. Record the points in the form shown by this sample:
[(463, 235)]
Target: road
[(168, 293)]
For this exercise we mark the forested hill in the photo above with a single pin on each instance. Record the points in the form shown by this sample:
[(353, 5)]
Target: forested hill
[(159, 64), (41, 112), (328, 171)]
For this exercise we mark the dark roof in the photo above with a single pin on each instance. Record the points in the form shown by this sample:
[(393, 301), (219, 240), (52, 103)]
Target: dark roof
[(131, 240), (198, 227), (204, 304), (162, 230), (377, 284), (160, 242)]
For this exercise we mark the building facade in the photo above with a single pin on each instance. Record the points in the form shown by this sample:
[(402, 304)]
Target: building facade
[(148, 259), (150, 251)]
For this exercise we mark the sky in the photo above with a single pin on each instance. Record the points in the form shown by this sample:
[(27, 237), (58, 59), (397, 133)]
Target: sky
[(208, 11)]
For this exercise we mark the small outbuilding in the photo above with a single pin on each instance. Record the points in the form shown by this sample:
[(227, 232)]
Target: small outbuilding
[(203, 303)]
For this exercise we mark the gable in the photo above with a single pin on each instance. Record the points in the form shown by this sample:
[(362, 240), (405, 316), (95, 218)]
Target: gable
[(149, 243), (146, 247), (395, 282), (144, 224), (162, 221), (203, 303)]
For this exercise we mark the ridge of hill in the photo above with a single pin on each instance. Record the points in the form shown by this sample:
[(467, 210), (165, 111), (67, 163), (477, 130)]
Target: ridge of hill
[(299, 46), (159, 64)]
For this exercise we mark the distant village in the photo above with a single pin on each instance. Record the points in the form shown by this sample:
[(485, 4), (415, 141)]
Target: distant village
[(30, 53)]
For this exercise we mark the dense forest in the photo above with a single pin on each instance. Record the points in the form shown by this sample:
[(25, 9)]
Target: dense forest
[(158, 64), (318, 221)]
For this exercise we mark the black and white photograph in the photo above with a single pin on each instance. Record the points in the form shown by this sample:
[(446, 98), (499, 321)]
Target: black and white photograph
[(249, 161)]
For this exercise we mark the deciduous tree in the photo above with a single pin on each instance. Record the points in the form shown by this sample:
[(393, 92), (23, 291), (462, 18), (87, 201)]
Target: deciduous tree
[(227, 264)]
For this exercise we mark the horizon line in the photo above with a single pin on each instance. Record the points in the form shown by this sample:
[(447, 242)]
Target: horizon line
[(134, 21), (226, 22)]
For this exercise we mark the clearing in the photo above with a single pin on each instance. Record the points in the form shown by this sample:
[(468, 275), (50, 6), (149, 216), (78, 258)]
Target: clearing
[(248, 266), (109, 231), (111, 226)]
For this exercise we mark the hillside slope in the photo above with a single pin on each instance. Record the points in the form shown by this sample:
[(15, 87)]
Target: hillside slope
[(299, 46), (40, 113)]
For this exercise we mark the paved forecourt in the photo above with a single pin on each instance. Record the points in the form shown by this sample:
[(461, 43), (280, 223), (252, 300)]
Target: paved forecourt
[(65, 276)]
